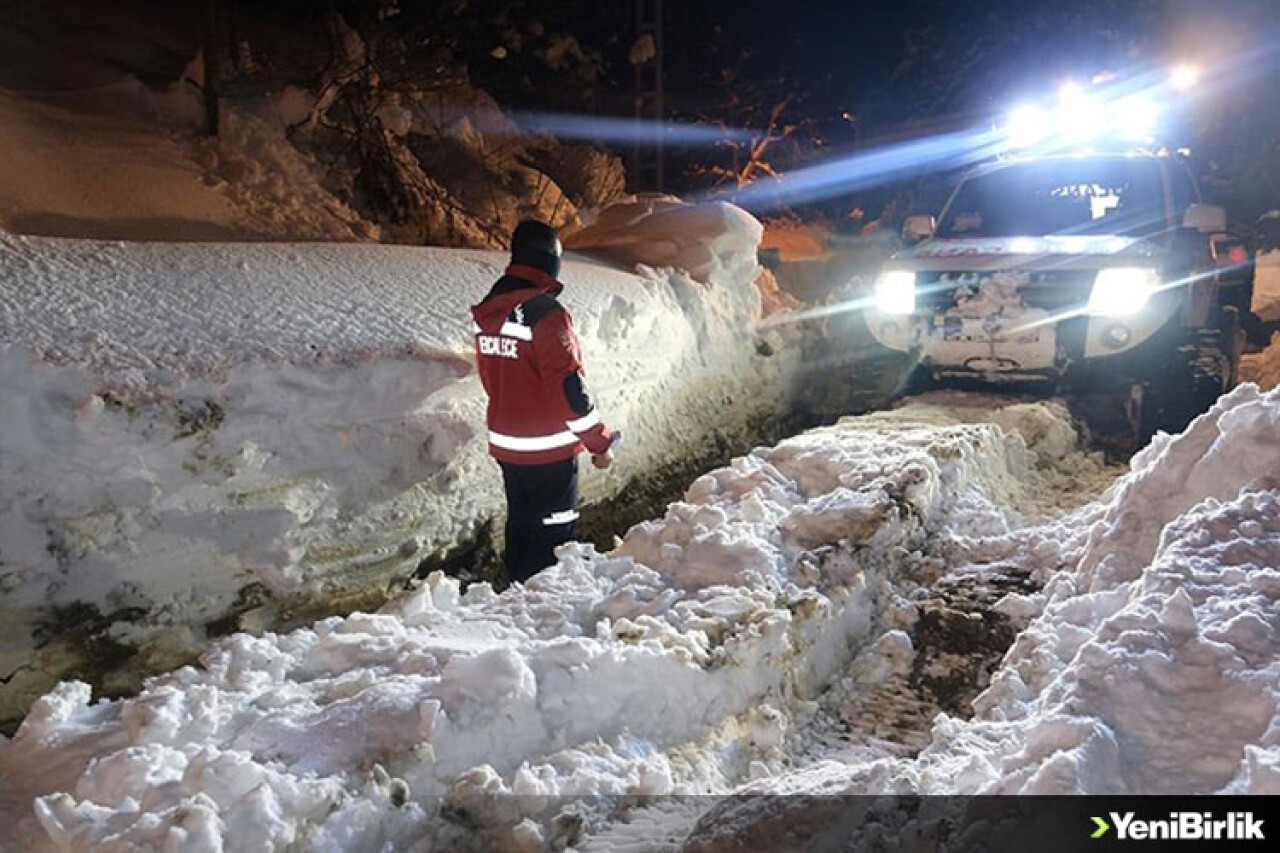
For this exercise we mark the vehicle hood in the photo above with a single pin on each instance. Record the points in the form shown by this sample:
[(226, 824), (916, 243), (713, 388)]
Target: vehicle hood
[(1007, 253)]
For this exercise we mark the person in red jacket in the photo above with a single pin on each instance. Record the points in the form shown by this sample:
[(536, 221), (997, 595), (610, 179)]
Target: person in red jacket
[(540, 416)]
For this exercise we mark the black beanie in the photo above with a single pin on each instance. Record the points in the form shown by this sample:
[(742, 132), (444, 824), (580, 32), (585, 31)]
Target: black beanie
[(535, 244)]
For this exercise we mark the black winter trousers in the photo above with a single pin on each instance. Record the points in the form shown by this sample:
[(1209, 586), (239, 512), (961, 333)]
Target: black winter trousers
[(542, 512)]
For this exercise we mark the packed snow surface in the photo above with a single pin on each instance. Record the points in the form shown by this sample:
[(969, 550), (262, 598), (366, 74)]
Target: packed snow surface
[(661, 230), (197, 437), (699, 656)]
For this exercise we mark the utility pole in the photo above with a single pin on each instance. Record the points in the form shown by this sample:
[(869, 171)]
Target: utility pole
[(647, 154), (213, 46)]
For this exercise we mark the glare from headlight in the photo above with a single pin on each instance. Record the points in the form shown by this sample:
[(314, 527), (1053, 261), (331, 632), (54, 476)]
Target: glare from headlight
[(1137, 117), (1184, 77), (1080, 116), (1027, 126), (1081, 121), (896, 292), (1122, 291)]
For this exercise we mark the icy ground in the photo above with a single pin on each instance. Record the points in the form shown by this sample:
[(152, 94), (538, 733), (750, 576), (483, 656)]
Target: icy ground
[(712, 647), (198, 439)]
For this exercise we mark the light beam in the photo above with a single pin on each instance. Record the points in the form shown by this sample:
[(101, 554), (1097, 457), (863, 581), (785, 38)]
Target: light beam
[(865, 169)]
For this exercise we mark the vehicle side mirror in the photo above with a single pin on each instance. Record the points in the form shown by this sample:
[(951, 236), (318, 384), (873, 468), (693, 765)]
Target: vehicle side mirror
[(1205, 218), (917, 228)]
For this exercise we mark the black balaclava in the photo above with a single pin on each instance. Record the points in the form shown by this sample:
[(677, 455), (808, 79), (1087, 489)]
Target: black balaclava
[(535, 244)]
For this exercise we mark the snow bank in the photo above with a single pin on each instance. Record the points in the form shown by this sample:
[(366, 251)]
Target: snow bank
[(1266, 286), (201, 438), (1152, 665), (1155, 666), (662, 231), (1263, 369), (702, 655), (674, 664)]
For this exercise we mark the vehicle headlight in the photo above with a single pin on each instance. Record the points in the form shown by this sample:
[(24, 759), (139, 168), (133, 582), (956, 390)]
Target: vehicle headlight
[(1080, 117), (896, 292), (1137, 118), (1122, 291)]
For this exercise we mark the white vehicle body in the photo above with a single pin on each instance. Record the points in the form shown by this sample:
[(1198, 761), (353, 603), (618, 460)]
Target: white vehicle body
[(997, 295)]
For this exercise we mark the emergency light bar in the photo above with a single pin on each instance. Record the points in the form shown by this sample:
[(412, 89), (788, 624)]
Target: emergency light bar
[(1080, 117)]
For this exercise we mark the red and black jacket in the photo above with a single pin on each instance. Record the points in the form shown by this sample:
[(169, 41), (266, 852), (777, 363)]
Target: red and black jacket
[(530, 365)]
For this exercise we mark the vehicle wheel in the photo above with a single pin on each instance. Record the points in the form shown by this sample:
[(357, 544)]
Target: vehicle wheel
[(918, 380), (1238, 295), (1205, 366), (1219, 348)]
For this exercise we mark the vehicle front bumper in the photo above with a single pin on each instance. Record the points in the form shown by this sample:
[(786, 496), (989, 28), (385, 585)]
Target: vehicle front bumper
[(1017, 344)]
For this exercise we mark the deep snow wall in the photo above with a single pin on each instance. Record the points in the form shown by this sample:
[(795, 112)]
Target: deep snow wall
[(202, 439)]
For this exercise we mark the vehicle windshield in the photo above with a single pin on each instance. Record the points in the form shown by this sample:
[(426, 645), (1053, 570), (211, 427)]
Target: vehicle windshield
[(1118, 196)]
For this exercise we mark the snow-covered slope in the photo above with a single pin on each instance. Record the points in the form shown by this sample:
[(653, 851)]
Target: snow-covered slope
[(1263, 369), (672, 664), (196, 438), (123, 161)]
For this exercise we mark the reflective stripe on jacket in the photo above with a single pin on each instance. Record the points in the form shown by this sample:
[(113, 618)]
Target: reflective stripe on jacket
[(530, 365)]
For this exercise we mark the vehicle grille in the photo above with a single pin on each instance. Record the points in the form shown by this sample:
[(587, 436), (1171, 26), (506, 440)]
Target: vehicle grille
[(1058, 290)]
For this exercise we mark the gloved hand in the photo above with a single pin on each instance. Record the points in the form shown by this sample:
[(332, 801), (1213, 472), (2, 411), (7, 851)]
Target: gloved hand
[(604, 460)]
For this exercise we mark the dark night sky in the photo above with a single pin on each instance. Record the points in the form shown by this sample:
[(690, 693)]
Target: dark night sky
[(903, 68), (894, 64), (845, 53)]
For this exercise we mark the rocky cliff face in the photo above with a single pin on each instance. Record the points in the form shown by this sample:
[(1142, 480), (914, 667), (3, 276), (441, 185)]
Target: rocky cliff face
[(324, 133)]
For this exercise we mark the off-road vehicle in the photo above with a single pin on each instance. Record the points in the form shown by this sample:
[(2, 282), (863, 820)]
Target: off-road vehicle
[(1089, 274)]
